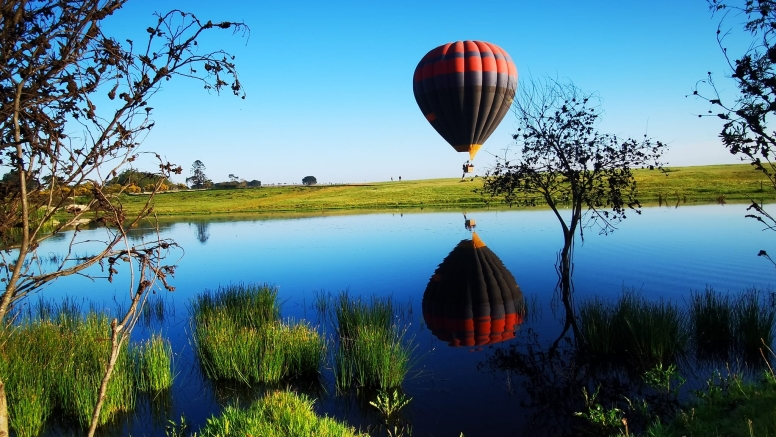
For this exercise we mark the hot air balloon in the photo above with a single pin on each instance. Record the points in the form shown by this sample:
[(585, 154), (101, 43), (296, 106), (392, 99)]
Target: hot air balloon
[(464, 89), (472, 299)]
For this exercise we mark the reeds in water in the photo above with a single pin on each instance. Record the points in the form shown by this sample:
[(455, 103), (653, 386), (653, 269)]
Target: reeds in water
[(634, 330), (152, 360), (711, 321), (239, 337), (277, 414), (53, 360), (247, 305), (655, 333), (373, 349), (754, 323)]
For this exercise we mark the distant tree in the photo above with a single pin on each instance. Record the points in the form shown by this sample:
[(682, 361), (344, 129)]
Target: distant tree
[(228, 185), (567, 162), (198, 178), (746, 132), (233, 178), (309, 180), (254, 184)]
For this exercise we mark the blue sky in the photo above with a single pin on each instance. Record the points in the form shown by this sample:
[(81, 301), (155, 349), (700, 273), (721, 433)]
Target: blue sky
[(329, 84)]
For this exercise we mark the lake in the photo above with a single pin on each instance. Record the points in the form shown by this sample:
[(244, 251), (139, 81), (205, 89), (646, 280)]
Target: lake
[(663, 253)]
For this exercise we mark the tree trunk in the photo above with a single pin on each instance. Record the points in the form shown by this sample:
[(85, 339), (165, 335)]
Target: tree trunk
[(3, 411), (115, 340)]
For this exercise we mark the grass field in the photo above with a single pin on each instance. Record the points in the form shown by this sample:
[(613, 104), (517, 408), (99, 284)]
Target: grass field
[(703, 184)]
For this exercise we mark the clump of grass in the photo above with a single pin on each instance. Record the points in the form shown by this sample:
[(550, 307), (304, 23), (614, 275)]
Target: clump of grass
[(82, 372), (240, 337), (642, 333), (373, 351), (247, 305), (152, 360), (277, 414), (351, 314), (754, 323), (53, 360), (596, 318), (711, 321)]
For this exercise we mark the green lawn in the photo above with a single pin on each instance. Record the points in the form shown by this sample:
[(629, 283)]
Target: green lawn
[(703, 184)]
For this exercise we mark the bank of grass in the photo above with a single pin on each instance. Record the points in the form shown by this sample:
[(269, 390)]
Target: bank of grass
[(702, 184), (277, 414), (53, 360), (373, 351), (240, 337), (729, 407)]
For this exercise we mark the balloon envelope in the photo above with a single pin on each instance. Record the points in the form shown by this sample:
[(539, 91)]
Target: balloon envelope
[(464, 89), (472, 299)]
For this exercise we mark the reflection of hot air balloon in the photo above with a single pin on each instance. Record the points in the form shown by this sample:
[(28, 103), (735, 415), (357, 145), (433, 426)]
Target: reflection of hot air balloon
[(464, 89), (472, 299)]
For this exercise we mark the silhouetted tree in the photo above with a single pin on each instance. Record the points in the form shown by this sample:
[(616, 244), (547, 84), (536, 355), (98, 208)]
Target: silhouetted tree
[(56, 63), (746, 132), (198, 178), (309, 180), (567, 163), (254, 184)]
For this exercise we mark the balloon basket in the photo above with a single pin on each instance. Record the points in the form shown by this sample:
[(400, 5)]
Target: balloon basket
[(468, 168)]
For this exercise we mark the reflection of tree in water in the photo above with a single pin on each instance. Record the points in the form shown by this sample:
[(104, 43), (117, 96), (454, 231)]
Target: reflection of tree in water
[(559, 379), (202, 232)]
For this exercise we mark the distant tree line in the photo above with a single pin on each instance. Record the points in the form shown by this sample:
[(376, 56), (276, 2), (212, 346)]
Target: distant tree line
[(199, 180)]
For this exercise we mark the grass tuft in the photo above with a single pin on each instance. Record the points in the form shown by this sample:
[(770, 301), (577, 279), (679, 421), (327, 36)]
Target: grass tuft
[(754, 323), (239, 337), (641, 333), (152, 360), (373, 350), (711, 319)]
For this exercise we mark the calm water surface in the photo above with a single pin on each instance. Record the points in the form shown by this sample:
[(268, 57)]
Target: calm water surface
[(664, 253)]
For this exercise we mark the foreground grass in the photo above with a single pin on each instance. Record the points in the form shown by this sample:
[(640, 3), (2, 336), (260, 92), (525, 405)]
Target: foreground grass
[(729, 407), (278, 414), (701, 184), (53, 361), (651, 337)]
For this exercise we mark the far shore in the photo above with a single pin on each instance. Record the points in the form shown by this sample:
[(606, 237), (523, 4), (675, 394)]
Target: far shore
[(735, 183)]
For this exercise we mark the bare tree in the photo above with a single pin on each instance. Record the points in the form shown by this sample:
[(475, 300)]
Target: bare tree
[(57, 65), (747, 114), (565, 162)]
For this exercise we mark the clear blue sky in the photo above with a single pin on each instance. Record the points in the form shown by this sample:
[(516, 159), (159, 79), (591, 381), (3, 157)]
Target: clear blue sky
[(329, 84)]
